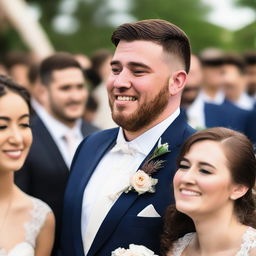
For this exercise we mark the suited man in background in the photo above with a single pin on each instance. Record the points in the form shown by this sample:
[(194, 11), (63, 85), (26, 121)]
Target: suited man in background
[(149, 70), (57, 130)]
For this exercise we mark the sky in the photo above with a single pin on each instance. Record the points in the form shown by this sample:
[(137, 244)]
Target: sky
[(229, 16)]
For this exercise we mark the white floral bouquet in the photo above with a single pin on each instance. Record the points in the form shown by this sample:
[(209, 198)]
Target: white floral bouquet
[(134, 250)]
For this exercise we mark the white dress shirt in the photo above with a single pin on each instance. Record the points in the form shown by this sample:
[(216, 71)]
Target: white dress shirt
[(244, 102), (112, 175), (58, 130), (196, 115), (218, 99)]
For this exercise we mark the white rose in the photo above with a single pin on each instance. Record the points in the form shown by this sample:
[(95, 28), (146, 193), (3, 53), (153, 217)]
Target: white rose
[(141, 182), (140, 250), (118, 252)]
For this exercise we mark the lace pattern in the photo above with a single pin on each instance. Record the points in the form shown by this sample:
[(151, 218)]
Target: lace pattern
[(32, 228), (38, 216), (248, 243), (180, 245)]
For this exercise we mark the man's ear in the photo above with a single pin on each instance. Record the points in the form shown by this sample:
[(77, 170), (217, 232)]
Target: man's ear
[(177, 82), (238, 191)]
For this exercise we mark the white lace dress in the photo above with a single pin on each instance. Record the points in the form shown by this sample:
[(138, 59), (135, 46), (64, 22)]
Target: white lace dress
[(248, 242), (31, 228)]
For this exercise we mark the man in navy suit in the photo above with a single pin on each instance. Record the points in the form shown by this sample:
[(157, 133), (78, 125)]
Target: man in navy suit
[(45, 172), (101, 213)]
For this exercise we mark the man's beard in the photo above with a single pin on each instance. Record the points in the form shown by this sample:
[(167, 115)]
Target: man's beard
[(145, 115), (59, 112)]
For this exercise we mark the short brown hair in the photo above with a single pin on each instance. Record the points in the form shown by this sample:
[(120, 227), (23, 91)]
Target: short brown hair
[(57, 61), (242, 165), (169, 36)]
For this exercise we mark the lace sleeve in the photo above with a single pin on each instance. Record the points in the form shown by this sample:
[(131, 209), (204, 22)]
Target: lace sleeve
[(38, 216), (180, 245), (249, 242)]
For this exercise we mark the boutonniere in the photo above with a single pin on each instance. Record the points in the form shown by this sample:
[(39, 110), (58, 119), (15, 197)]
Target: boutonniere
[(134, 250), (141, 181)]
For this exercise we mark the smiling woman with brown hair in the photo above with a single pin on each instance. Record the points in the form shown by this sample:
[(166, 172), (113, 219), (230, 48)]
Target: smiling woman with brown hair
[(215, 206), (26, 223)]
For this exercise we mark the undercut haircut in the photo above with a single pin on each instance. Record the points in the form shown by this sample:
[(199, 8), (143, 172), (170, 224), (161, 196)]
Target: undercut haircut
[(169, 36)]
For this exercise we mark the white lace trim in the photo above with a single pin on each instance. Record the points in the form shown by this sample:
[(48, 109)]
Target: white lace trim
[(248, 243), (32, 228), (38, 216), (180, 245)]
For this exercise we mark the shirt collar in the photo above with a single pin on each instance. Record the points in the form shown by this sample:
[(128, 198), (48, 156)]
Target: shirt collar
[(145, 142), (57, 128)]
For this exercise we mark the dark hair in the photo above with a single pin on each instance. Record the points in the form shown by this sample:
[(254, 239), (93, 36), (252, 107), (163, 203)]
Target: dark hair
[(97, 59), (16, 58), (169, 36), (7, 84), (250, 58), (234, 60), (242, 165), (54, 62), (33, 73)]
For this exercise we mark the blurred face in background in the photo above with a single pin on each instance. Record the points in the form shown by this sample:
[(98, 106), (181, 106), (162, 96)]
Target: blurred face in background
[(212, 77), (19, 73), (233, 81), (66, 95), (15, 132), (193, 84), (251, 79)]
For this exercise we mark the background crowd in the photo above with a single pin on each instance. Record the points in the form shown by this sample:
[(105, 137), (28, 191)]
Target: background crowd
[(69, 101)]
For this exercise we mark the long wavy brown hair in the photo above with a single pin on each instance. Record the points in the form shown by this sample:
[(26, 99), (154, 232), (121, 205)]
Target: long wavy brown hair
[(242, 165)]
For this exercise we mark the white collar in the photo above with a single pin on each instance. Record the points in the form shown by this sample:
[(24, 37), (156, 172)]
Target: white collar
[(56, 128), (219, 97), (145, 142)]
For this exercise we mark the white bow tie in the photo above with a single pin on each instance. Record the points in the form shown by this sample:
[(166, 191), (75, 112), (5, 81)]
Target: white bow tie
[(125, 148)]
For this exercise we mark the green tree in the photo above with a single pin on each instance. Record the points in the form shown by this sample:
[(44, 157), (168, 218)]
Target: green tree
[(191, 16)]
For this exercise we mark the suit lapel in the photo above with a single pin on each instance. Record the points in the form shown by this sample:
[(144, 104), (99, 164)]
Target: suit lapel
[(174, 135), (93, 151), (42, 134)]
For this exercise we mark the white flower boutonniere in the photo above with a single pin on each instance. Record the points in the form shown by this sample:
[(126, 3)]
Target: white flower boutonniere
[(134, 250), (142, 181)]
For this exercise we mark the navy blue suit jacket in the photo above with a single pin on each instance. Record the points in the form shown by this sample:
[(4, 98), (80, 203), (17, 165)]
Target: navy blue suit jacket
[(227, 115), (121, 226)]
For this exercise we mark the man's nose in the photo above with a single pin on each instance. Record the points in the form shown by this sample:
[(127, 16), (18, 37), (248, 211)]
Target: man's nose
[(122, 80)]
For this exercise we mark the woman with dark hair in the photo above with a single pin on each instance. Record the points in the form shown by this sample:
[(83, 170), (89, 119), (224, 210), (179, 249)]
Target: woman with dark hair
[(215, 206), (26, 223)]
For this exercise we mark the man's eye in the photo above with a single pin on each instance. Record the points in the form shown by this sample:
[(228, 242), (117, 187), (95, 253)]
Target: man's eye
[(138, 72), (2, 127), (115, 70)]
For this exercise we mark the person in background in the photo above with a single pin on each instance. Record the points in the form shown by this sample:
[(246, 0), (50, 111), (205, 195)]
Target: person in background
[(91, 108), (57, 130), (26, 223), (101, 70), (250, 71), (149, 70), (234, 81), (17, 64), (35, 88), (193, 84), (214, 211)]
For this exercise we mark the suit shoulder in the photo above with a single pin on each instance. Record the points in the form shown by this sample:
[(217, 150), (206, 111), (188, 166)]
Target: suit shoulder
[(88, 128)]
